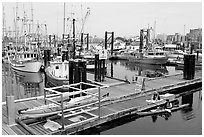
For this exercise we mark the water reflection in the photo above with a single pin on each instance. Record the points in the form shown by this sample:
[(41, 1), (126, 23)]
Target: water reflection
[(21, 84), (137, 68), (187, 113)]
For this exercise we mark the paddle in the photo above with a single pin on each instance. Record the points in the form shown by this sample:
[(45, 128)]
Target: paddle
[(168, 110)]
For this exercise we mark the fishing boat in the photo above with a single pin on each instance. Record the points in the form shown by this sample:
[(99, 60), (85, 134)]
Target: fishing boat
[(156, 57), (57, 73), (25, 61), (148, 53)]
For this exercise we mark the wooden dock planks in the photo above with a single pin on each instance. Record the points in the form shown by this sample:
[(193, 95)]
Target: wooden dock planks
[(128, 102)]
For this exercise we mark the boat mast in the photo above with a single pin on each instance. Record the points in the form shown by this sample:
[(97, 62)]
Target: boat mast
[(16, 30), (32, 19), (64, 20), (4, 28)]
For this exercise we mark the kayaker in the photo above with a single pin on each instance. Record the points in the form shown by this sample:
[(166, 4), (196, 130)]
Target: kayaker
[(155, 96), (168, 104)]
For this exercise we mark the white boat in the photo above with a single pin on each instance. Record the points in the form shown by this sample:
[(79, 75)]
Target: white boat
[(25, 61), (57, 73), (157, 57)]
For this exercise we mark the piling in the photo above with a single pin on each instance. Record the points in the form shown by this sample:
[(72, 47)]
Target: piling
[(141, 40), (99, 70), (189, 66), (10, 110), (96, 67), (71, 70), (74, 46), (103, 69), (106, 33), (112, 42), (77, 71), (46, 57)]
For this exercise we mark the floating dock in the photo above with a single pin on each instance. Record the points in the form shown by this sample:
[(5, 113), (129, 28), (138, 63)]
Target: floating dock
[(125, 98)]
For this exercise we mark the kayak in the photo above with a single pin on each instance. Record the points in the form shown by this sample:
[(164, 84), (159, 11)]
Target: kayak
[(162, 110), (51, 109)]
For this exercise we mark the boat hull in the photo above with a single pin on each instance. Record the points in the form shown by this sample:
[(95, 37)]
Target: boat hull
[(33, 66), (157, 61), (55, 81)]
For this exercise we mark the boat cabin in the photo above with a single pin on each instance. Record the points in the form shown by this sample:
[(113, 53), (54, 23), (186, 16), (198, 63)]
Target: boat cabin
[(59, 69)]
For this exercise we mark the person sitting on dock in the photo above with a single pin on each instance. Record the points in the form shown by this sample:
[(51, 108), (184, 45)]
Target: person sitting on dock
[(155, 96), (168, 104)]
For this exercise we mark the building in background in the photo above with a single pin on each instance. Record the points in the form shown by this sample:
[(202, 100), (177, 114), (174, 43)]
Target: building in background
[(194, 39)]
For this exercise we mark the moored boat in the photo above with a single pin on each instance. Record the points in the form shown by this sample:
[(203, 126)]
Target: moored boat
[(156, 57), (25, 61), (162, 110), (57, 73)]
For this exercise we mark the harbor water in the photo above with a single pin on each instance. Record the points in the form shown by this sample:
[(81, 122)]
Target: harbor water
[(182, 122)]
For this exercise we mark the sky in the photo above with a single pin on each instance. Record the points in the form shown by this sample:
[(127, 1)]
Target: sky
[(123, 18)]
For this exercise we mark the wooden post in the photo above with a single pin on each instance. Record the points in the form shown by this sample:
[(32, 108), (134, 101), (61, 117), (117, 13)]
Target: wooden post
[(50, 40), (197, 54), (189, 66), (143, 84), (63, 39), (111, 69), (76, 72), (112, 42), (141, 40), (45, 97), (46, 57), (74, 48), (87, 41), (84, 77), (99, 70), (62, 108), (96, 67), (10, 110), (106, 39), (103, 69), (71, 67)]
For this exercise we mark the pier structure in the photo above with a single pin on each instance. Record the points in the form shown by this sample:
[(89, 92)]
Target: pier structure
[(124, 99)]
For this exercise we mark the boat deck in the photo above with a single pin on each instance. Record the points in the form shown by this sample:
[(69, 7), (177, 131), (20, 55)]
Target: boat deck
[(124, 99)]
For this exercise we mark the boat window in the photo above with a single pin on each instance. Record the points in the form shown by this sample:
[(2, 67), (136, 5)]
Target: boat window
[(34, 55), (57, 67), (31, 55), (24, 55), (157, 53), (84, 94), (150, 53), (28, 55), (77, 95)]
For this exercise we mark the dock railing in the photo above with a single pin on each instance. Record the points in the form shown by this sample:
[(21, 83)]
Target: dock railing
[(61, 96)]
